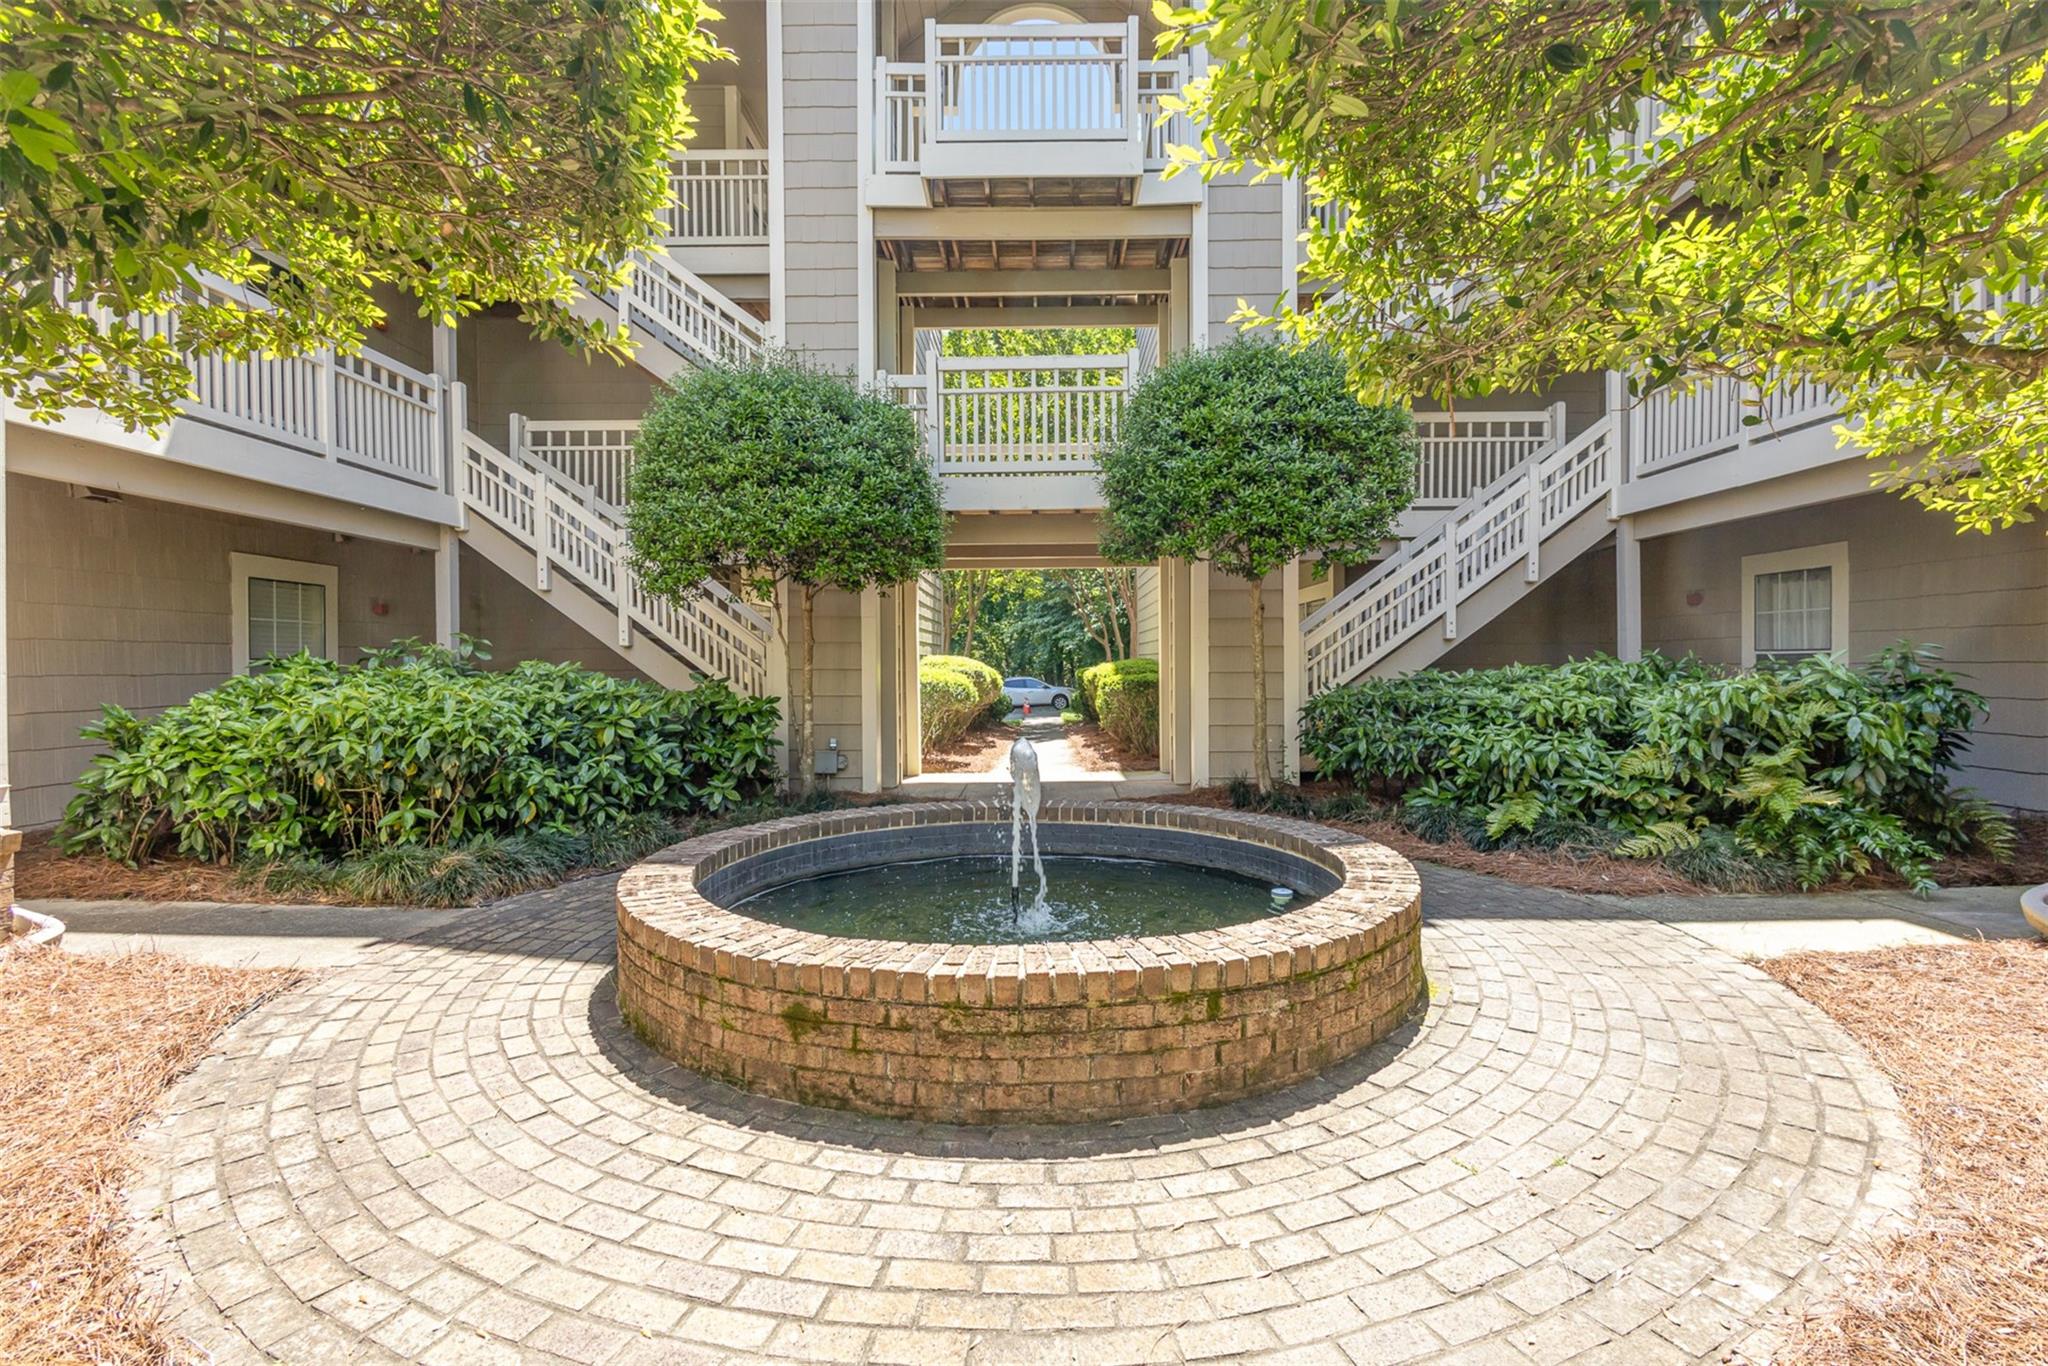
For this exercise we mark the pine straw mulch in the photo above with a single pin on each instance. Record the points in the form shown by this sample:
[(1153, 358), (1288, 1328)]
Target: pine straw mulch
[(980, 750), (91, 1044), (1962, 1032), (43, 872), (1097, 751)]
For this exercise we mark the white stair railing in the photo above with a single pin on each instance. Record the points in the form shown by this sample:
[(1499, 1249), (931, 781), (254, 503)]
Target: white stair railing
[(569, 530), (1504, 523), (672, 302)]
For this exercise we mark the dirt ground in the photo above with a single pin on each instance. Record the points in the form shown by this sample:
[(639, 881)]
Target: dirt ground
[(1962, 1032), (91, 1045), (978, 751), (1096, 750)]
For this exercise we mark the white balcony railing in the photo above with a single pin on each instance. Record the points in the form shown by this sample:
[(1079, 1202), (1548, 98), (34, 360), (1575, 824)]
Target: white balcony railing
[(1047, 83), (717, 199), (596, 457), (364, 410), (1676, 426), (1003, 415)]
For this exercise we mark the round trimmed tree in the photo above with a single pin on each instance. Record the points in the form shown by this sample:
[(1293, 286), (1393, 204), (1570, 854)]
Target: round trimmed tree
[(774, 471), (1250, 455)]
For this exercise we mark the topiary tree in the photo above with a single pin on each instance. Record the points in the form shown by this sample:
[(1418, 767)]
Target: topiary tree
[(1248, 456), (778, 470)]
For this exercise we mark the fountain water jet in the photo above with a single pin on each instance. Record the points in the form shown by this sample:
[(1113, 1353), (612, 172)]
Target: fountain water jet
[(1024, 799)]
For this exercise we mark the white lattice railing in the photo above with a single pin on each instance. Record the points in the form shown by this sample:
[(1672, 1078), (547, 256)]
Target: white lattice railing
[(1501, 525), (365, 410), (569, 531), (1018, 415), (717, 198), (673, 302), (1464, 452)]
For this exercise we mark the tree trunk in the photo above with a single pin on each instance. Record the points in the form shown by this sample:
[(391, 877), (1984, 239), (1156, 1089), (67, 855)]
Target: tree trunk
[(1262, 752), (807, 778)]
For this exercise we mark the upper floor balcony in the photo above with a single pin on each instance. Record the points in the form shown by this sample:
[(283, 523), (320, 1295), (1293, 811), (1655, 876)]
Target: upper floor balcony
[(990, 110)]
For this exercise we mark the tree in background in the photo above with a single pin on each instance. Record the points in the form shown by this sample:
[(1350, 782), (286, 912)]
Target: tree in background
[(1249, 456), (1048, 623), (777, 471), (468, 153), (1828, 185), (1038, 341)]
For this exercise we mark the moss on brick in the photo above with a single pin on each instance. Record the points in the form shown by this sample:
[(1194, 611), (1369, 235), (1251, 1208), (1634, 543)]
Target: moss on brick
[(801, 1020)]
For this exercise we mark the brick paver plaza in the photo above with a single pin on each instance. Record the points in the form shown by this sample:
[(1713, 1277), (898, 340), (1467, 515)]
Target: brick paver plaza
[(1603, 1141)]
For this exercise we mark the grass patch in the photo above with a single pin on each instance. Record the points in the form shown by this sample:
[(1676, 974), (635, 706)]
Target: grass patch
[(1961, 1030), (91, 1045)]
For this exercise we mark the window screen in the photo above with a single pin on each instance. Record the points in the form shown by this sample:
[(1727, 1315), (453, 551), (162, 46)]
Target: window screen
[(287, 617), (1795, 613)]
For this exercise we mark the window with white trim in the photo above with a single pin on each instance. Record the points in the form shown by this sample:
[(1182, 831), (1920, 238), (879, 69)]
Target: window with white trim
[(282, 607), (1795, 603)]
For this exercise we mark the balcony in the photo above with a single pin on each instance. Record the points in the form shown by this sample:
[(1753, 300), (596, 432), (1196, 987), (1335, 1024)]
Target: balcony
[(999, 107), (361, 428)]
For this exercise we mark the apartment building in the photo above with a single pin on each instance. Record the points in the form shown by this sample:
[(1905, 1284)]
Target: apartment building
[(868, 175)]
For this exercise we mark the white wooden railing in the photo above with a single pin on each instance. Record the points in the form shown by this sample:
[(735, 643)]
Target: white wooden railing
[(1496, 528), (364, 410), (1676, 426), (1461, 453), (1004, 83), (571, 532), (675, 304), (717, 198), (1018, 415), (592, 457)]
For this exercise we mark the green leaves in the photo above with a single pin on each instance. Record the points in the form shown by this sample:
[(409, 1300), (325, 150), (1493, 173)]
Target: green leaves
[(413, 747), (1818, 191), (1816, 766), (465, 154)]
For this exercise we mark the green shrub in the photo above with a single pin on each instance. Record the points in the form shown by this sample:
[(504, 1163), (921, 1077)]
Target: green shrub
[(1814, 766), (953, 691), (413, 747), (1123, 695)]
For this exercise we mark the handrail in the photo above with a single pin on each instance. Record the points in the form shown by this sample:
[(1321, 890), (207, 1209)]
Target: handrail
[(1017, 414), (570, 530), (1471, 546), (667, 298)]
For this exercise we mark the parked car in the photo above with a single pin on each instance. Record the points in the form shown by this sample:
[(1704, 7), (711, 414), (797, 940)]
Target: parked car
[(1037, 692)]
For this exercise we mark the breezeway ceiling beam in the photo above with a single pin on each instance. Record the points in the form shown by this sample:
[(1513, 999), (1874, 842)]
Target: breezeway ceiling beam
[(1024, 283), (1162, 220)]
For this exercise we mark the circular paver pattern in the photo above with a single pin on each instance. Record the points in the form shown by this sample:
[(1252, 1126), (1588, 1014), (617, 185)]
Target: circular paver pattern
[(1602, 1141)]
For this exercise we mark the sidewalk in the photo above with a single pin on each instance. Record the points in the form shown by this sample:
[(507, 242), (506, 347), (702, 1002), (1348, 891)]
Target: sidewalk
[(1061, 776)]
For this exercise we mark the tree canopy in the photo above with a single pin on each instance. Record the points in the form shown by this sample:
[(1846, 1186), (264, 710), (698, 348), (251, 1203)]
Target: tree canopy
[(1853, 192), (468, 153), (1248, 456), (777, 470)]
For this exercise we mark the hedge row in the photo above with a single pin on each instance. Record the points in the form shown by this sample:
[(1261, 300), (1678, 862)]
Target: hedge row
[(412, 747), (952, 691), (1123, 695), (1816, 765)]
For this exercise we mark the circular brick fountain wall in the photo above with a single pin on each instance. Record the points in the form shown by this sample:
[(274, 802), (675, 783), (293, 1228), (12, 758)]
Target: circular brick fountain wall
[(1028, 1033)]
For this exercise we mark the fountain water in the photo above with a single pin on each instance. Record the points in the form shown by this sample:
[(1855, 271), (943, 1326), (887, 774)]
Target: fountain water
[(1024, 798)]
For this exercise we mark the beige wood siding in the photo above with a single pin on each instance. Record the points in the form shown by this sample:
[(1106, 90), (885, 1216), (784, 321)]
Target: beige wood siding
[(521, 624), (1230, 673), (837, 678), (509, 370), (1982, 599), (130, 603), (1244, 248), (820, 66), (1145, 630)]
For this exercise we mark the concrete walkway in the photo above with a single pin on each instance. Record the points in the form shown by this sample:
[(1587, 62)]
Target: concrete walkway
[(1059, 772), (1605, 1140)]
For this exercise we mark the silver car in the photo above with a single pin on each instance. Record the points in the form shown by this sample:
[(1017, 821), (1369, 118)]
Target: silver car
[(1036, 692)]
